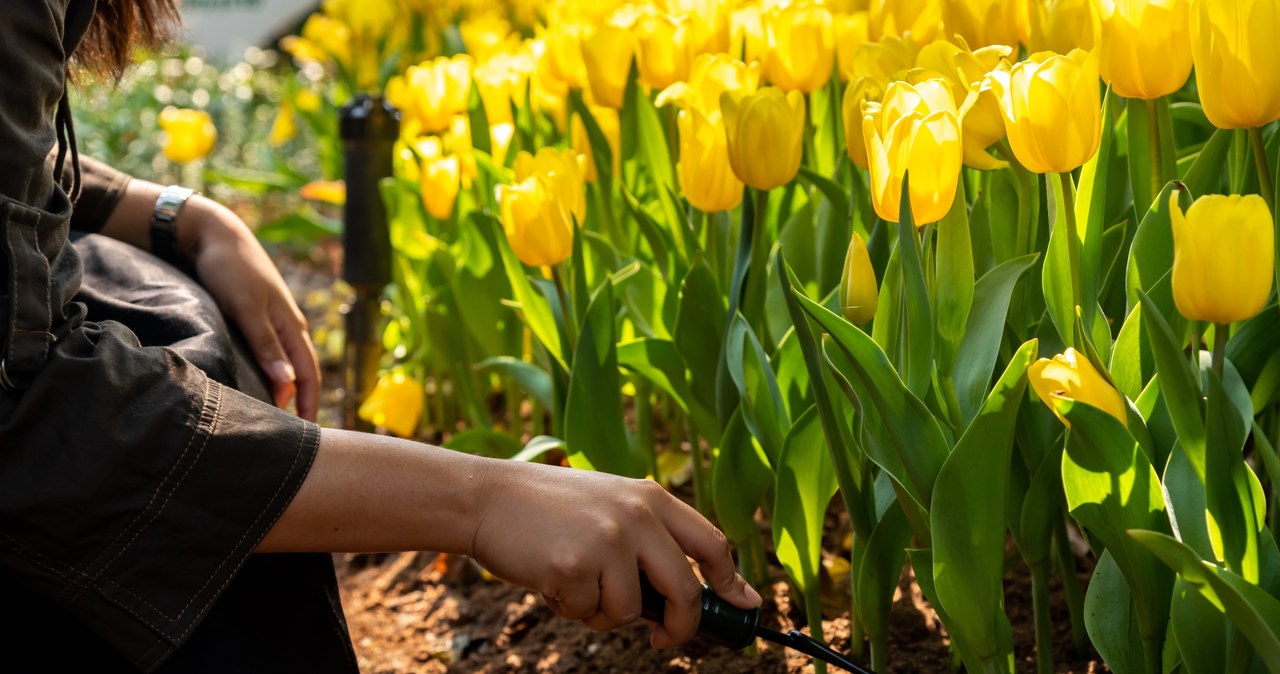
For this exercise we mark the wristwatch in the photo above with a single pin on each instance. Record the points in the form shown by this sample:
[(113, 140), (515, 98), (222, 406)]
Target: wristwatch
[(164, 230)]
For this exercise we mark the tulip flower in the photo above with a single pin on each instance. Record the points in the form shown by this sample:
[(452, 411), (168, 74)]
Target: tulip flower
[(395, 404), (611, 126), (285, 126), (801, 42), (429, 94), (765, 131), (562, 42), (1223, 257), (1052, 109), (916, 129), (706, 179), (987, 22), (1062, 25), (855, 94), (711, 75), (919, 19), (749, 39), (851, 32), (325, 191), (966, 71), (607, 53), (1237, 59), (858, 293), (664, 50), (501, 81), (188, 134), (538, 227), (487, 35), (884, 61), (439, 177), (708, 24), (1071, 376), (1145, 51), (563, 172)]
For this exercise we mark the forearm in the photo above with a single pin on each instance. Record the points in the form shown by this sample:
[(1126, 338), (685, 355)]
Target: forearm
[(368, 493), (130, 221)]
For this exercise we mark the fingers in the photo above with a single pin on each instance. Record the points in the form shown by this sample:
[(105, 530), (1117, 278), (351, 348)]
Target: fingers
[(575, 594), (619, 595), (665, 565), (272, 358), (708, 545), (296, 341)]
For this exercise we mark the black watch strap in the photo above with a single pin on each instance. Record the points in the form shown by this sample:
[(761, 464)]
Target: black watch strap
[(164, 230)]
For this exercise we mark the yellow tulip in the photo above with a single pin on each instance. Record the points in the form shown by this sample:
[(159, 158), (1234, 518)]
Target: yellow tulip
[(916, 129), (540, 209), (611, 126), (855, 94), (501, 81), (564, 173), (1145, 50), (1071, 376), (363, 17), (1063, 25), (429, 94), (1237, 59), (708, 23), (921, 20), (966, 71), (851, 32), (711, 75), (487, 35), (607, 56), (188, 134), (747, 29), (664, 50), (1052, 109), (884, 61), (329, 37), (284, 128), (765, 131), (706, 178), (858, 293), (439, 177), (987, 22), (563, 44), (1223, 257), (801, 42), (325, 191), (395, 404)]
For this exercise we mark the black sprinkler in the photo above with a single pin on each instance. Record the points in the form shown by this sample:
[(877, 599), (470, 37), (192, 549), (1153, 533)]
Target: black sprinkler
[(735, 628)]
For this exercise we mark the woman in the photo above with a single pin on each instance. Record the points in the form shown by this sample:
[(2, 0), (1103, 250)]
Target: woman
[(140, 494)]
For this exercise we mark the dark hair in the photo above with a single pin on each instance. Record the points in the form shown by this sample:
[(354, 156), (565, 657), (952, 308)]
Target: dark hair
[(120, 25)]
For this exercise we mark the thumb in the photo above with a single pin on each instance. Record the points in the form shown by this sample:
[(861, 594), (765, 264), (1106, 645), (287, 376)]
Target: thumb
[(271, 357)]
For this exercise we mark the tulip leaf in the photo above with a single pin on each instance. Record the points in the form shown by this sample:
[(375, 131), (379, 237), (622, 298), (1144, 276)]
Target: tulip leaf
[(918, 445), (1179, 385), (593, 421), (805, 486), (538, 446), (1151, 253), (1109, 618), (1252, 350), (1040, 508), (534, 307), (478, 121), (740, 477), (1133, 363), (658, 237), (879, 566), (1056, 280), (533, 379), (1111, 487), (660, 362), (601, 151), (984, 331), (955, 281), (922, 565), (967, 516), (888, 319), (1254, 612), (1140, 133), (829, 188), (484, 442), (1197, 623), (1234, 521), (917, 337), (1205, 174), (699, 330), (1096, 181), (763, 409)]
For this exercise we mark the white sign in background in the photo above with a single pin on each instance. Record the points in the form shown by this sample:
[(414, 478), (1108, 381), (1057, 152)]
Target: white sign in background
[(225, 28)]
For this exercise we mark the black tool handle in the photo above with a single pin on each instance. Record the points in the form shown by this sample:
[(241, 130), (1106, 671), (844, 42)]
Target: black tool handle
[(721, 622)]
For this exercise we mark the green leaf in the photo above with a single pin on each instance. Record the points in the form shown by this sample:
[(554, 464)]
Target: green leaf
[(700, 329), (879, 568), (534, 307), (955, 282), (1196, 622), (660, 362), (740, 477), (659, 237), (1247, 606), (594, 425), (1179, 386), (1139, 135), (601, 151), (1096, 180), (918, 446), (484, 442), (968, 517), (763, 409), (1151, 254), (1233, 519), (1040, 509), (805, 486), (302, 225), (917, 368), (533, 379), (1109, 618), (1205, 174), (537, 446), (981, 343), (1133, 363), (922, 564), (479, 121)]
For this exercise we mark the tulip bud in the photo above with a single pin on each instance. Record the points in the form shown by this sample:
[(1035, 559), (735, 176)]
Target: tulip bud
[(395, 404), (429, 94), (188, 134), (1233, 45), (801, 42), (858, 293), (664, 50), (706, 178), (765, 131), (563, 172), (1223, 257), (1071, 376), (439, 177), (607, 55), (1061, 94), (915, 129), (1145, 51)]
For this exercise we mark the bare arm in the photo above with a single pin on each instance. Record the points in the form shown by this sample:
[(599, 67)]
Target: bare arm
[(578, 538)]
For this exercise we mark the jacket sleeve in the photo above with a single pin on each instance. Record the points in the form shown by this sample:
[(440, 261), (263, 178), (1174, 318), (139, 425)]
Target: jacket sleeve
[(101, 188)]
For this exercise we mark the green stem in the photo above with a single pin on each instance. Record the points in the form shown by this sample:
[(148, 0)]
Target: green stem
[(1221, 331), (1153, 140), (1073, 236), (1043, 622), (1239, 160), (1153, 655), (1071, 587), (1265, 184), (751, 561), (701, 477), (757, 271), (813, 610), (644, 422), (566, 310), (880, 654)]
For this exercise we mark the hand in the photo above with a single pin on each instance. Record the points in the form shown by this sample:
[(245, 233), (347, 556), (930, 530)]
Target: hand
[(581, 538), (237, 272)]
